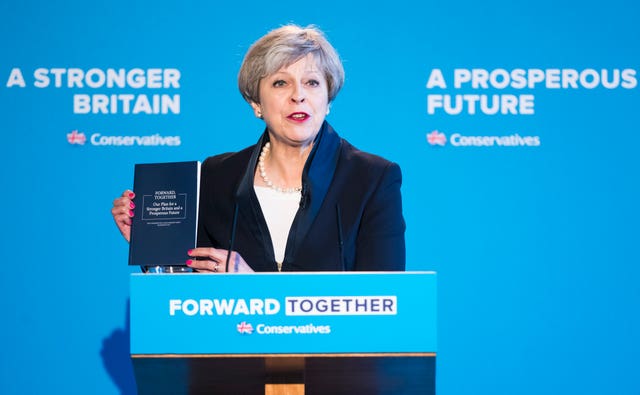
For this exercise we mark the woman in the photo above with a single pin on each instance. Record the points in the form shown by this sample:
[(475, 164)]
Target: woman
[(302, 198)]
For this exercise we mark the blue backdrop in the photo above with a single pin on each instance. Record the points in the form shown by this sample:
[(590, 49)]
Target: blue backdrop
[(530, 217)]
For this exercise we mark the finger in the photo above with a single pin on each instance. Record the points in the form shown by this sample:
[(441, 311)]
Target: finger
[(123, 202), (125, 211), (205, 265), (214, 254), (122, 214), (122, 220), (126, 196)]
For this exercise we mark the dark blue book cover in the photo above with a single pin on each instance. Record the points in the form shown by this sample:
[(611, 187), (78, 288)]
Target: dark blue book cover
[(165, 220)]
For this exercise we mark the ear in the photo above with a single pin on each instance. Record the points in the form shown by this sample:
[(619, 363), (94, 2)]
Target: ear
[(257, 109)]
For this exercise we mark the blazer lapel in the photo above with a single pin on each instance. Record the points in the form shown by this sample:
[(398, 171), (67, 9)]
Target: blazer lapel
[(249, 207), (316, 180)]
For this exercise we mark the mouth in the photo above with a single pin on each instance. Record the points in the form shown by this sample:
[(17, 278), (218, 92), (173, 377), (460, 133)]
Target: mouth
[(299, 116)]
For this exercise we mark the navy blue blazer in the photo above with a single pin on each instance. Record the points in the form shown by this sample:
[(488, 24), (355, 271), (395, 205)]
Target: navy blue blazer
[(349, 218)]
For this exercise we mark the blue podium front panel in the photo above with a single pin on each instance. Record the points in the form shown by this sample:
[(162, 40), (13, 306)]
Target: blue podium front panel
[(279, 313)]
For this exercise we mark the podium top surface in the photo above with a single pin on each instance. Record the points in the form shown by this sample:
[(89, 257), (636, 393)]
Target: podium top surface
[(283, 313)]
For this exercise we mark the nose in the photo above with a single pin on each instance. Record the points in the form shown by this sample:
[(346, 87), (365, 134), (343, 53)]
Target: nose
[(297, 96)]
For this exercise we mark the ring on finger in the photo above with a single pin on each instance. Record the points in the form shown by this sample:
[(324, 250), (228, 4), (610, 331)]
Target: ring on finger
[(215, 267)]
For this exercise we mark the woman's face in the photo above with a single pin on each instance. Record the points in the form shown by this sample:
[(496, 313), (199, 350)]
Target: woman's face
[(294, 102)]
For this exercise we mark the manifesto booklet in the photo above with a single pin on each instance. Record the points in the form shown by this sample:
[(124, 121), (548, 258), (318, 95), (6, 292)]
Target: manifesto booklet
[(165, 218)]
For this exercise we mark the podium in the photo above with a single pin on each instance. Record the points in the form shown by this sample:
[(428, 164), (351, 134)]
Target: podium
[(284, 333)]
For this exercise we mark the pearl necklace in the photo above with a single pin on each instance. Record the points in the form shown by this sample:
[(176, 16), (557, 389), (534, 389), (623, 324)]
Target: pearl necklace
[(263, 172)]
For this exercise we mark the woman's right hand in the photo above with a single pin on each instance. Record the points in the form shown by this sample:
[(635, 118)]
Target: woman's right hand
[(122, 212)]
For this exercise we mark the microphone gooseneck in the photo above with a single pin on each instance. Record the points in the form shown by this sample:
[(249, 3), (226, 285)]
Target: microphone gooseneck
[(232, 239), (340, 237)]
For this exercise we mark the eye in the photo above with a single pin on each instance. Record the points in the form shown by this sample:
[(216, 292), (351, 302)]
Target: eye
[(278, 83), (313, 83)]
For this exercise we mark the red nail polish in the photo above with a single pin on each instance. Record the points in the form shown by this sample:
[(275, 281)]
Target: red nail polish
[(189, 262), (131, 205), (189, 252), (131, 195), (130, 213)]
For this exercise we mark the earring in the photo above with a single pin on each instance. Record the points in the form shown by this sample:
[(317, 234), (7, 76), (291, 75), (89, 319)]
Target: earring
[(259, 114)]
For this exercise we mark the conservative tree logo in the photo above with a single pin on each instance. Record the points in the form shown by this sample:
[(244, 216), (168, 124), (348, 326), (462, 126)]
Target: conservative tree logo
[(76, 138)]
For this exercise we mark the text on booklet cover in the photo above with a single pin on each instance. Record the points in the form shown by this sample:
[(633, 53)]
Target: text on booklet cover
[(165, 206)]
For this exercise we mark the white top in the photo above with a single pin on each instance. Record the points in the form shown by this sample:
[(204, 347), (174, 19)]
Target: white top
[(279, 209)]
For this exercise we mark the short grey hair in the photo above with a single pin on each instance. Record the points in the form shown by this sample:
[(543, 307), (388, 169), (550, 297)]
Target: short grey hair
[(282, 47)]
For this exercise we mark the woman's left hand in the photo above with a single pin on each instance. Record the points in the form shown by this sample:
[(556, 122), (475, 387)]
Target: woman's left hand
[(214, 260)]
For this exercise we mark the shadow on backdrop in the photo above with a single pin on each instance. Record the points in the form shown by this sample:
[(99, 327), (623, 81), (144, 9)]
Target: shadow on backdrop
[(116, 358)]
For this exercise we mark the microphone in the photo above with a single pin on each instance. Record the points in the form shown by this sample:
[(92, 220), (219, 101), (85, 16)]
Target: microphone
[(232, 239), (304, 196)]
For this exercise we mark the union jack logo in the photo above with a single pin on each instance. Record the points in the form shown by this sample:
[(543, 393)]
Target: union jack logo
[(436, 138), (76, 138), (243, 327)]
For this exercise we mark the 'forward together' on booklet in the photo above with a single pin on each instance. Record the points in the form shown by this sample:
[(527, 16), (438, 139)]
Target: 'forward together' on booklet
[(165, 219)]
